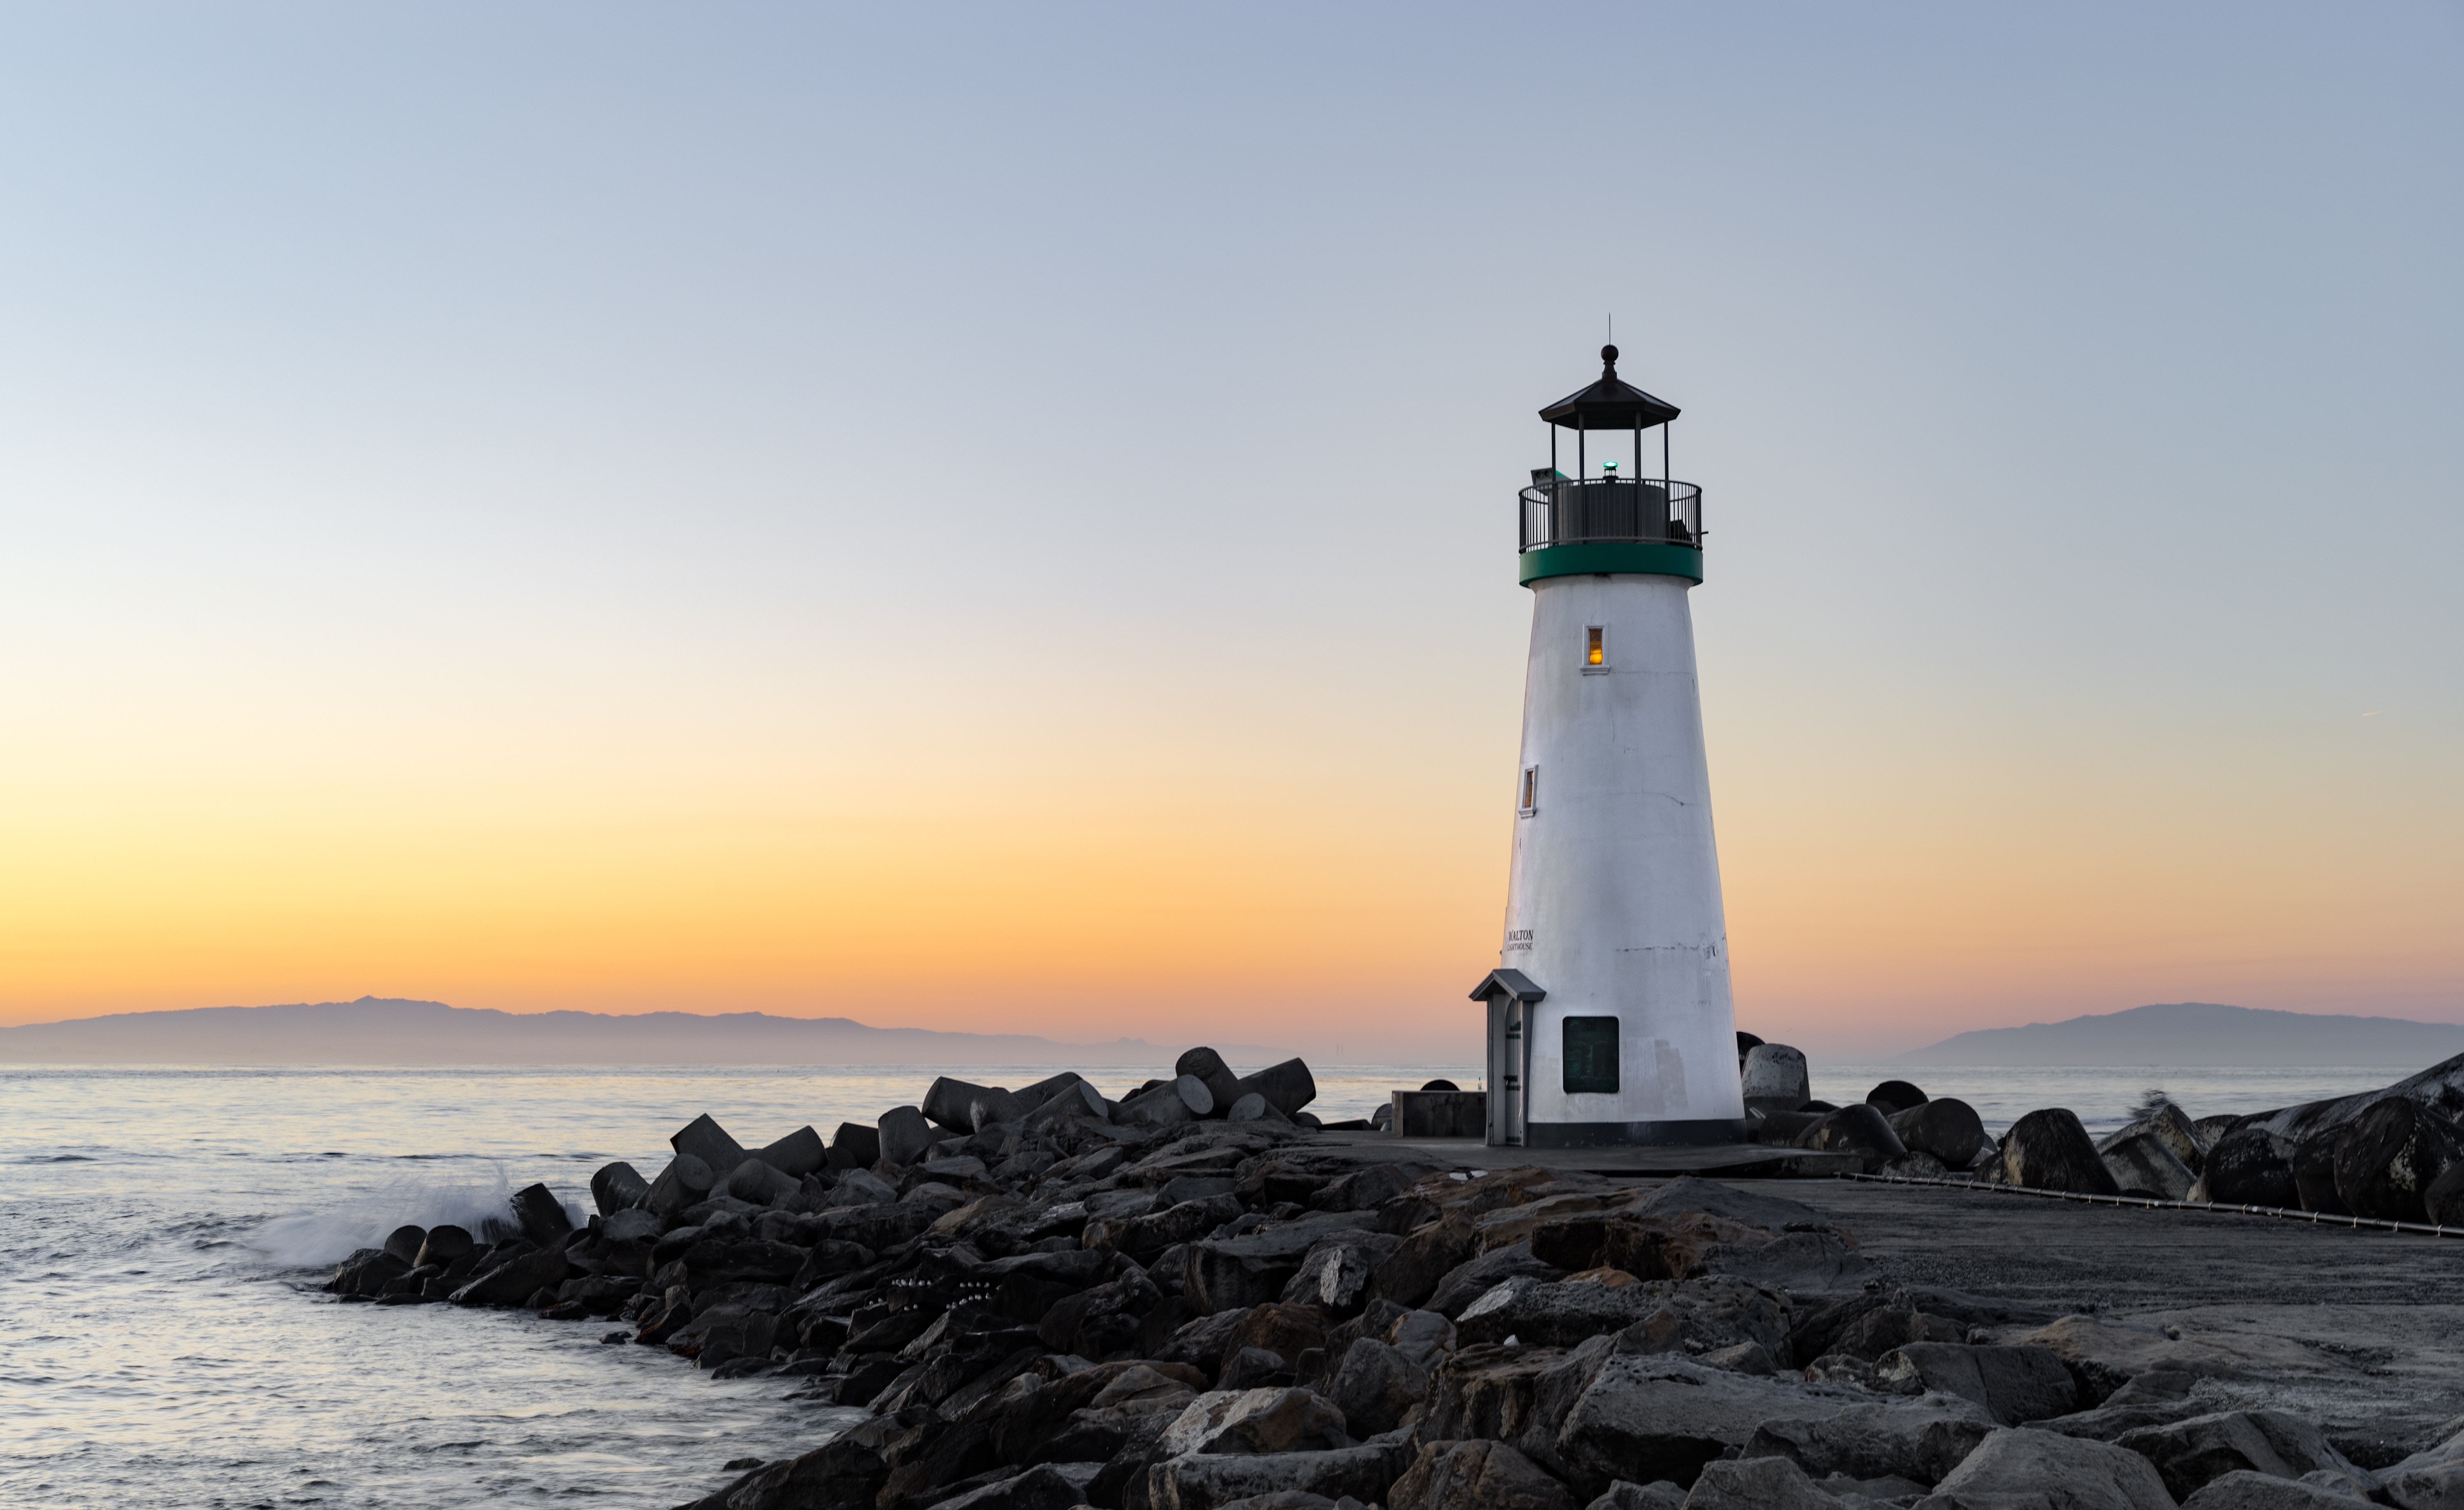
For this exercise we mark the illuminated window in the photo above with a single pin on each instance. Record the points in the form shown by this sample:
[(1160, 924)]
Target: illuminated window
[(1531, 800), (1591, 1055), (1595, 648)]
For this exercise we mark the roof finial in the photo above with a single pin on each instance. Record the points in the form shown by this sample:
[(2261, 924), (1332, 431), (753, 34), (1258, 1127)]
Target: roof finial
[(1608, 361)]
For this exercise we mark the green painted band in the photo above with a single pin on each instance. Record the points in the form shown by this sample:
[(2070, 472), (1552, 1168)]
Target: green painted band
[(1574, 561)]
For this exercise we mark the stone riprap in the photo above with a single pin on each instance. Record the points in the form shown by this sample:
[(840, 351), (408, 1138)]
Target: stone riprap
[(1185, 1298)]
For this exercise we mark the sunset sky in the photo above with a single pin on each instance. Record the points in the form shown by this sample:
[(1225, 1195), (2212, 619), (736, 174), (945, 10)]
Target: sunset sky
[(1001, 517)]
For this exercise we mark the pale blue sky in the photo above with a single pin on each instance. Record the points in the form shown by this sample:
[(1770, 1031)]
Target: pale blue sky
[(2073, 389)]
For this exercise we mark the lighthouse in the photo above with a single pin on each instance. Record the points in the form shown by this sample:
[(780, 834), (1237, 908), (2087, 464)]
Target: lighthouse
[(1609, 1020)]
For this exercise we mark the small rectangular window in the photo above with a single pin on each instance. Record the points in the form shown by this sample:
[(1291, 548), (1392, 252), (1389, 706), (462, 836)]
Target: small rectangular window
[(1595, 650), (1590, 1051), (1529, 801)]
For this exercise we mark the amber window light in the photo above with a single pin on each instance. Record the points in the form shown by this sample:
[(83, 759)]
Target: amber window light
[(1594, 653)]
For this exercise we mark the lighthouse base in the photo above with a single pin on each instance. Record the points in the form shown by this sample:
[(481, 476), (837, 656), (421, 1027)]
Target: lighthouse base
[(1632, 1134)]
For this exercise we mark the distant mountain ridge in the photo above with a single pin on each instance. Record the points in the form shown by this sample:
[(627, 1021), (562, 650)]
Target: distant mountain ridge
[(2201, 1033), (390, 1031)]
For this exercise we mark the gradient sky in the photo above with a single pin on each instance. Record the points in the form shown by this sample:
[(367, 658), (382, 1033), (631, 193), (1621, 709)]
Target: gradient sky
[(1002, 517)]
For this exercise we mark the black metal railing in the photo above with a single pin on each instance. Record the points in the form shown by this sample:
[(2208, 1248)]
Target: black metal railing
[(1570, 510)]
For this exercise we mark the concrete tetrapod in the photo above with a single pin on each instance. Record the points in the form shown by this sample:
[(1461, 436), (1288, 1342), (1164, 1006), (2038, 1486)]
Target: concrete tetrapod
[(2250, 1166), (1775, 1079), (2049, 1151), (616, 1187), (1287, 1087), (2387, 1159), (1221, 1084), (1894, 1096)]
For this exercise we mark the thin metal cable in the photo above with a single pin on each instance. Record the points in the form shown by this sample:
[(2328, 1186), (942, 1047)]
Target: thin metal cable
[(2318, 1218)]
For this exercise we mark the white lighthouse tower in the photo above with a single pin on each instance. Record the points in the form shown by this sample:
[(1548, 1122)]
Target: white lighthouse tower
[(1608, 1018)]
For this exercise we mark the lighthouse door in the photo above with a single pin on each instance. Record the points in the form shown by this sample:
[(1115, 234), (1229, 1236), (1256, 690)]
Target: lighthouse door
[(1506, 1076)]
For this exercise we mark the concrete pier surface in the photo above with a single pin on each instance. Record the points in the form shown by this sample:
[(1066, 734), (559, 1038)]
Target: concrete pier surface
[(2359, 1330)]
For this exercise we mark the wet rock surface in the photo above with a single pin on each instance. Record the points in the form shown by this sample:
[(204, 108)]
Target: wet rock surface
[(1186, 1298)]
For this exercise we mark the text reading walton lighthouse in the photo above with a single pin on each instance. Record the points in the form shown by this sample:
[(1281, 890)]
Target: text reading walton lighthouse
[(1609, 1017)]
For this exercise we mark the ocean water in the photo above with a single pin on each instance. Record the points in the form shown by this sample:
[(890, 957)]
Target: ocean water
[(163, 1233)]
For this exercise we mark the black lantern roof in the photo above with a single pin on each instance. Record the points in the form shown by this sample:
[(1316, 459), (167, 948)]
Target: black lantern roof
[(1610, 403)]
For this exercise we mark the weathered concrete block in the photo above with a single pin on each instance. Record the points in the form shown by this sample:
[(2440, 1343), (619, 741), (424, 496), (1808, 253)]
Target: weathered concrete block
[(904, 1135), (1287, 1087), (707, 1141), (1222, 1086), (796, 1154), (1775, 1077)]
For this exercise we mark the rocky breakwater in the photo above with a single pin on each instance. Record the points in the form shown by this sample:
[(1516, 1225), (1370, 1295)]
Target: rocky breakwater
[(2391, 1154), (1046, 1299), (1897, 1130)]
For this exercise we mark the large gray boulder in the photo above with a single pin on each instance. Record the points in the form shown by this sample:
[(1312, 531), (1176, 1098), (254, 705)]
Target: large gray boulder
[(904, 1133), (1473, 1278), (994, 1107), (1074, 1100), (2443, 1202), (1209, 1480), (862, 1188), (1774, 1078), (707, 1141), (2245, 1490), (1661, 1316), (1047, 1486), (405, 1243), (855, 1146), (796, 1155), (1175, 1102), (1410, 1275), (1479, 1475), (2012, 1385), (1760, 1483), (1946, 1127), (2314, 1174), (1224, 1274), (2428, 1480), (1335, 1274), (2145, 1163), (541, 1217), (1625, 1494), (1287, 1087), (1892, 1097), (2387, 1159), (2049, 1151), (617, 1187), (514, 1281), (2022, 1468), (1376, 1385), (442, 1246), (1251, 1106), (2170, 1126), (1143, 1235), (1267, 1420), (754, 1180), (2250, 1166), (686, 1181), (1647, 1416), (1921, 1440), (1222, 1086), (1545, 1313), (2190, 1453), (367, 1272), (1860, 1129), (950, 1102), (633, 1224)]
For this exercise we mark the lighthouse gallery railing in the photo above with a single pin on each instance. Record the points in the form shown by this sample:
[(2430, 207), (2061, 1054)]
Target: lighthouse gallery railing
[(1571, 511)]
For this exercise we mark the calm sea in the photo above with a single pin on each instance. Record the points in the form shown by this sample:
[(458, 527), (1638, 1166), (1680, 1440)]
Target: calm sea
[(163, 1230)]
